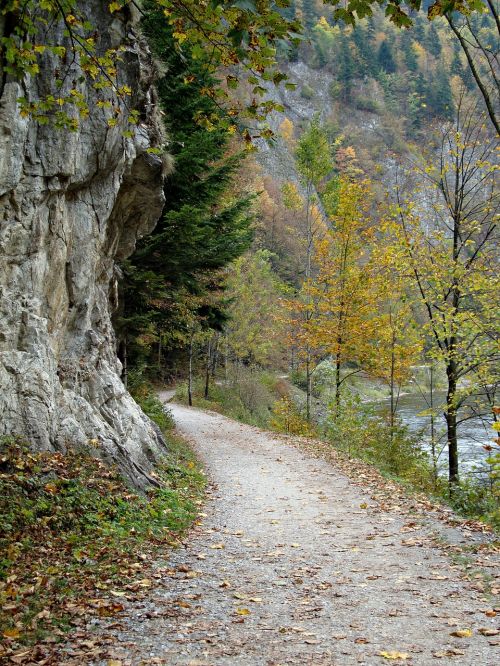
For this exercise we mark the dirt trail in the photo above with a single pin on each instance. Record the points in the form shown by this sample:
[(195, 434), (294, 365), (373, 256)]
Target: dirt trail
[(293, 564)]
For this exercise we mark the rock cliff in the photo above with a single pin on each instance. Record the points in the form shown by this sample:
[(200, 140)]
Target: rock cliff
[(72, 204)]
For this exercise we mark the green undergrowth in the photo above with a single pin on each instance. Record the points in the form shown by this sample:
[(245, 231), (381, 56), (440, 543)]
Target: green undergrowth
[(250, 399), (74, 538), (358, 432)]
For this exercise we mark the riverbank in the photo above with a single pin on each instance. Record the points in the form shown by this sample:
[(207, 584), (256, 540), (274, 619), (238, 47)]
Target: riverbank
[(260, 398)]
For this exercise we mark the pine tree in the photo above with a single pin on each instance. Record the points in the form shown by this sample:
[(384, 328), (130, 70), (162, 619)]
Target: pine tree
[(410, 57), (385, 58), (172, 276), (346, 66), (432, 42), (441, 97)]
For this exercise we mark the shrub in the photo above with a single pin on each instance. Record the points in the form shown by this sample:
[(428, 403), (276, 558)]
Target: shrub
[(306, 92), (359, 431), (368, 104)]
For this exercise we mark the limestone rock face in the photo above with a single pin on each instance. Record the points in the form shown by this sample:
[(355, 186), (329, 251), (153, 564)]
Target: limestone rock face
[(71, 205)]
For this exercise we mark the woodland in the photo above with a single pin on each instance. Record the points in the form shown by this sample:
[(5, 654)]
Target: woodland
[(327, 249), (367, 258)]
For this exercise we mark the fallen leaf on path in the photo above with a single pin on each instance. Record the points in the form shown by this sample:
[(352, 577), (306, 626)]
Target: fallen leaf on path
[(182, 604), (393, 655), (242, 611), (114, 662), (488, 631), (217, 546), (452, 652), (462, 633)]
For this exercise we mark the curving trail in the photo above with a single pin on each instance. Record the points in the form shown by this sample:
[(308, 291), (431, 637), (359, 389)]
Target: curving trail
[(293, 564)]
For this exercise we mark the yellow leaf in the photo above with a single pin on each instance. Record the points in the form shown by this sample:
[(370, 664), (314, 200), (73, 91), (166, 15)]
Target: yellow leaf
[(114, 662), (394, 655), (12, 633), (242, 611), (462, 633)]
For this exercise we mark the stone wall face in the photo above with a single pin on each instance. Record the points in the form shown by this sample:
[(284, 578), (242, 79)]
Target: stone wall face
[(71, 205)]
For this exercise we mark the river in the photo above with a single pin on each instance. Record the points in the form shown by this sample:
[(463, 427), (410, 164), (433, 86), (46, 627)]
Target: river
[(473, 434)]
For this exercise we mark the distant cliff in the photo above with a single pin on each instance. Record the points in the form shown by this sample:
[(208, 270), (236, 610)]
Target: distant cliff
[(71, 205)]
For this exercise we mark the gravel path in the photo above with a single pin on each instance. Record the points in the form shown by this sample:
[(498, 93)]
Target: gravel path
[(293, 564)]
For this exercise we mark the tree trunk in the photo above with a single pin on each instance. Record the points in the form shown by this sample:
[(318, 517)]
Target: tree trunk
[(433, 425), (338, 382), (159, 351), (207, 368), (190, 377), (451, 425), (393, 403), (215, 356), (308, 388)]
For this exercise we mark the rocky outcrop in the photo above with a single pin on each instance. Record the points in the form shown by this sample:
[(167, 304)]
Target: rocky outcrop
[(71, 205)]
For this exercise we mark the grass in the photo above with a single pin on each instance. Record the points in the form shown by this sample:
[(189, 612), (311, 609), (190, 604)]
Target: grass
[(74, 538), (249, 400)]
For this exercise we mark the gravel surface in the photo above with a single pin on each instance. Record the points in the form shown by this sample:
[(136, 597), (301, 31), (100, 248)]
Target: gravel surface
[(292, 563)]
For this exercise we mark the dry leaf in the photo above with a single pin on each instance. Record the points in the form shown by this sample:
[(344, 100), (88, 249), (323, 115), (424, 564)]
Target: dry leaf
[(462, 633), (242, 611), (238, 595), (487, 631), (394, 655), (12, 633)]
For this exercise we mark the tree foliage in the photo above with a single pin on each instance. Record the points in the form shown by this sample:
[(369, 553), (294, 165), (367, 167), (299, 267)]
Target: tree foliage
[(221, 33), (174, 280)]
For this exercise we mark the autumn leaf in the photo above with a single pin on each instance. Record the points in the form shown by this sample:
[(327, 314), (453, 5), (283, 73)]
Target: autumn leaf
[(488, 631), (394, 655), (462, 633), (12, 633), (242, 611)]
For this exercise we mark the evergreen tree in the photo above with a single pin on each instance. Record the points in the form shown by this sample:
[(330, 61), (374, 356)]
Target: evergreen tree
[(441, 97), (432, 42), (410, 57), (346, 66), (169, 278), (385, 58), (361, 39)]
